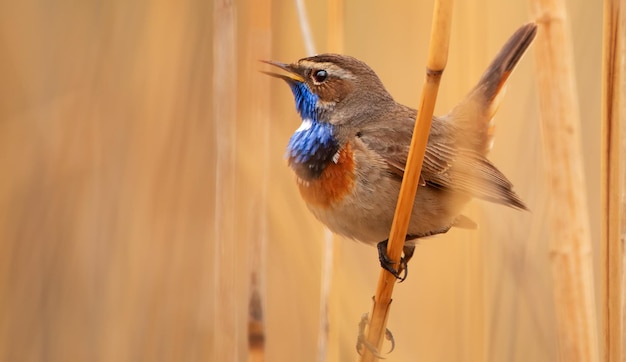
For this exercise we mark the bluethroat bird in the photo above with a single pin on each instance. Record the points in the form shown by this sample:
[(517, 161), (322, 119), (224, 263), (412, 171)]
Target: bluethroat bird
[(350, 151)]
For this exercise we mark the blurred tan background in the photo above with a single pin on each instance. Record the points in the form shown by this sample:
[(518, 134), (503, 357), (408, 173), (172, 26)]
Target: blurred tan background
[(143, 180)]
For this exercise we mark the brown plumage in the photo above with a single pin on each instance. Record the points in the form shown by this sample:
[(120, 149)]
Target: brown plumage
[(343, 102)]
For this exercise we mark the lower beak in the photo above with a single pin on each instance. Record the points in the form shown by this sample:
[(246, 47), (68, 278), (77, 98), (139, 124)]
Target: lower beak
[(291, 75)]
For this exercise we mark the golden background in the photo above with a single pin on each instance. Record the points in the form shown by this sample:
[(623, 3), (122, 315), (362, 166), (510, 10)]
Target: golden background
[(142, 164)]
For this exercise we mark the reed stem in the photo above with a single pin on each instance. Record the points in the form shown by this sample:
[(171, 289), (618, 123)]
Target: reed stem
[(437, 58), (613, 180), (570, 239)]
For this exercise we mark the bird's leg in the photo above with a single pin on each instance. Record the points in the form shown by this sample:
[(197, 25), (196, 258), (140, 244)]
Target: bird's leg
[(362, 340), (387, 263)]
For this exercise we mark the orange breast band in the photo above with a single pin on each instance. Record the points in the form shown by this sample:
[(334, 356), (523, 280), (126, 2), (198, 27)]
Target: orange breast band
[(334, 183)]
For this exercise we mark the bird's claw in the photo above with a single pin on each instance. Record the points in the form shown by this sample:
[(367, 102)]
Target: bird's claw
[(387, 263), (362, 340), (389, 337)]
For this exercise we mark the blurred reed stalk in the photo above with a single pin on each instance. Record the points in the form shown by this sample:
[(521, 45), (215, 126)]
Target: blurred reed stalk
[(327, 244), (613, 179), (570, 235), (226, 334), (258, 38), (327, 346), (436, 63)]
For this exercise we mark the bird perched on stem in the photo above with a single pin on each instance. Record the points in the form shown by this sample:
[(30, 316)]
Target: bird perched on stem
[(350, 151)]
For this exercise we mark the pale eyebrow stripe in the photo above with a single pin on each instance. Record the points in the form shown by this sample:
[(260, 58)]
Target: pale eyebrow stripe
[(331, 68)]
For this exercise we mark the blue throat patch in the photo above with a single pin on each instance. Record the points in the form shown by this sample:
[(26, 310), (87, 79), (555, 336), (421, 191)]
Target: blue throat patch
[(306, 101), (313, 143)]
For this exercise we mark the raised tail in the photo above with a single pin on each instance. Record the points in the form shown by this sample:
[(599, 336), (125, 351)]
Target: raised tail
[(476, 111), (495, 77)]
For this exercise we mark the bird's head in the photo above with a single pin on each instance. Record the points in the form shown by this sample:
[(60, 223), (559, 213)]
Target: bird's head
[(334, 94), (332, 88)]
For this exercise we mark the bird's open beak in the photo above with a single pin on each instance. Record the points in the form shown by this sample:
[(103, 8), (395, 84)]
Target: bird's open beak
[(291, 76)]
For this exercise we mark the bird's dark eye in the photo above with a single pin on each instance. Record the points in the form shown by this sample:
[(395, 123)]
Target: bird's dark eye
[(319, 76)]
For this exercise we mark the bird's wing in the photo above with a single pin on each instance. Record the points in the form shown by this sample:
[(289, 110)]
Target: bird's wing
[(468, 172), (445, 167)]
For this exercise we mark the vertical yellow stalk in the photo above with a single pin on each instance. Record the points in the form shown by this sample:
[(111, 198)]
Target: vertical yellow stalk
[(570, 235), (226, 343), (259, 47), (613, 179), (437, 59)]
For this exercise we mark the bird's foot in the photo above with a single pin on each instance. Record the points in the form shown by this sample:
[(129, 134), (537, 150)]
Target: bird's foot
[(363, 342), (387, 264)]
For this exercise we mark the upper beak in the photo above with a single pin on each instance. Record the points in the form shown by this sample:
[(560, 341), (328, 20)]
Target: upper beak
[(291, 76)]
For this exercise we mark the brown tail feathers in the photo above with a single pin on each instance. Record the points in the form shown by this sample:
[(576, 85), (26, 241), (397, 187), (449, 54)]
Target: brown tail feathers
[(479, 106)]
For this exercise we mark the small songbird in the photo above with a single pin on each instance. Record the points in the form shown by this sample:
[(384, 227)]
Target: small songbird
[(350, 151)]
